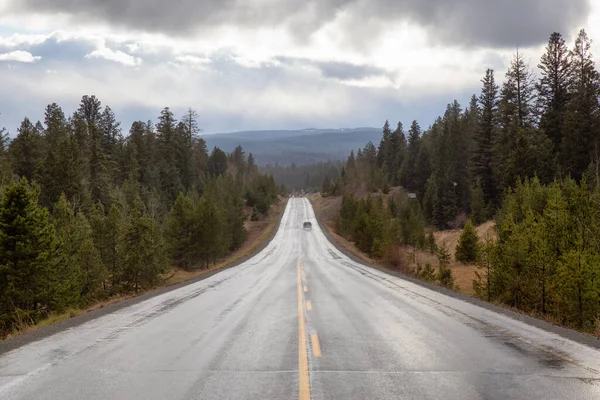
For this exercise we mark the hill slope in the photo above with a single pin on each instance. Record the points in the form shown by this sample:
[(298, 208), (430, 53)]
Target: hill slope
[(302, 147)]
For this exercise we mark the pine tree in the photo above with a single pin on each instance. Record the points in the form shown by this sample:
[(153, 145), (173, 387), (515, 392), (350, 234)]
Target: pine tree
[(581, 124), (182, 232), (5, 165), (408, 177), (483, 169), (553, 88), (144, 254), (107, 231), (444, 276), (467, 249), (482, 284), (217, 162), (520, 150), (82, 266), (29, 257), (252, 167), (384, 145), (212, 235), (397, 154), (478, 212), (26, 151)]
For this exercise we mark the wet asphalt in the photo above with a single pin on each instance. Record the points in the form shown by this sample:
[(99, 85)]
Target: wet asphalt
[(367, 335)]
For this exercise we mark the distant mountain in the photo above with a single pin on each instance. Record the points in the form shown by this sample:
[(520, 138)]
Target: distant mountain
[(301, 147)]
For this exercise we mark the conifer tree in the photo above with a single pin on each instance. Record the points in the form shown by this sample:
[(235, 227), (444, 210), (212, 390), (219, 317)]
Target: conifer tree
[(467, 249), (483, 169), (581, 124), (30, 257), (82, 267), (26, 151), (553, 88), (144, 254)]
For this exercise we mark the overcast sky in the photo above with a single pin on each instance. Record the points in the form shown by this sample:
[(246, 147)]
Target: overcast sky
[(269, 64)]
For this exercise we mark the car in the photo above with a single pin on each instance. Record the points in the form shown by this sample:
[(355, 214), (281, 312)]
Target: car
[(307, 225)]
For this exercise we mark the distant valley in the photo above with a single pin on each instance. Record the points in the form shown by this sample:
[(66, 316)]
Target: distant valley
[(301, 147)]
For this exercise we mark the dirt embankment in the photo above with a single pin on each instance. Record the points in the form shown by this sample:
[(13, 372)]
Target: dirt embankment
[(329, 207)]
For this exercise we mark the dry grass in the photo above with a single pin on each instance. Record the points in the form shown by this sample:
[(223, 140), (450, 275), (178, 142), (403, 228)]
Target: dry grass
[(328, 208), (258, 232)]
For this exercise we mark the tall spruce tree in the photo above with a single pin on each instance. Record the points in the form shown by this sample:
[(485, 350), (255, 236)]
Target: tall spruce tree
[(26, 151), (408, 171), (553, 88), (483, 168), (581, 126)]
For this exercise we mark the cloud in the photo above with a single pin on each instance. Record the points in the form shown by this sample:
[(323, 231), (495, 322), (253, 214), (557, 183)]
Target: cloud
[(336, 69), (496, 23), (117, 56), (193, 60), (19, 56)]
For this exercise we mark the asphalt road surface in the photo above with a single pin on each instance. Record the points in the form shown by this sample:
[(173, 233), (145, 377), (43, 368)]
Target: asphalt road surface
[(301, 320)]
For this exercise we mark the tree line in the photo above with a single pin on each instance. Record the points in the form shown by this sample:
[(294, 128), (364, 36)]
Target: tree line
[(87, 212), (546, 259), (548, 127), (525, 153), (304, 177)]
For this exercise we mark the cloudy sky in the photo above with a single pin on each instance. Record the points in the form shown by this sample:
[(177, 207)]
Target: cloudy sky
[(260, 64)]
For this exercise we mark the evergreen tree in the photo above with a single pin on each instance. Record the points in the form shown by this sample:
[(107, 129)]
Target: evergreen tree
[(581, 124), (553, 88), (62, 170), (383, 153), (397, 154), (408, 177), (212, 241), (29, 257), (467, 249), (82, 265), (482, 284), (182, 230), (5, 165), (107, 232), (445, 277), (26, 151), (217, 162), (144, 254), (483, 169)]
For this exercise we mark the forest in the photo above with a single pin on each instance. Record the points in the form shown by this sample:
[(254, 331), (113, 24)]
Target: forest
[(304, 177), (524, 152), (87, 212)]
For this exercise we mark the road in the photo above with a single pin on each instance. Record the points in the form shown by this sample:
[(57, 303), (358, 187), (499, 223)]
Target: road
[(301, 320)]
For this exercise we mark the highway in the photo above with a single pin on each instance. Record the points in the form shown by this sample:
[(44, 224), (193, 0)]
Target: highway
[(300, 320)]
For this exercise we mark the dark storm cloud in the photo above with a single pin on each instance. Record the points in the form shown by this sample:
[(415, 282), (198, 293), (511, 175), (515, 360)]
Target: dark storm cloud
[(496, 23)]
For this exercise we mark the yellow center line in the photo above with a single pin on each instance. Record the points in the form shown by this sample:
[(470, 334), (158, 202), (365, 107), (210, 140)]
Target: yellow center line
[(315, 345), (305, 289), (308, 305), (304, 384)]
